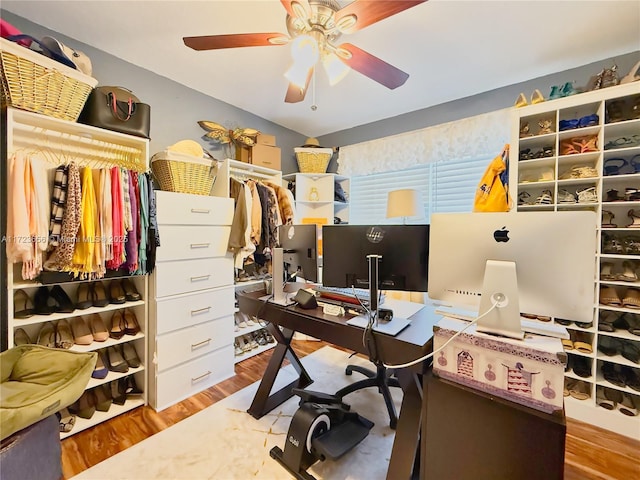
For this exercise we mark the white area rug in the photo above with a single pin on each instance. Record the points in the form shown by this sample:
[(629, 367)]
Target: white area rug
[(224, 442)]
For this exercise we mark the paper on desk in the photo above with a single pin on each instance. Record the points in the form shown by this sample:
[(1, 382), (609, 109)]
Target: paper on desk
[(402, 309)]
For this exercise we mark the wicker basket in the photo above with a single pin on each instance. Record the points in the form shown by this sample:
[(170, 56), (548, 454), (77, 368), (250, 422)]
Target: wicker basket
[(31, 81), (177, 172), (313, 160)]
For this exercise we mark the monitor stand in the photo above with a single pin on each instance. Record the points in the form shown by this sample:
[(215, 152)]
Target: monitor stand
[(500, 285), (279, 296)]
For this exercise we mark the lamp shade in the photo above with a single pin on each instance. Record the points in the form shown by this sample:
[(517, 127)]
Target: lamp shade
[(404, 203)]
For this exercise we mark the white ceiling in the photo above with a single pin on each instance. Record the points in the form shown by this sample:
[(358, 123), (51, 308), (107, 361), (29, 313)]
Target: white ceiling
[(451, 49)]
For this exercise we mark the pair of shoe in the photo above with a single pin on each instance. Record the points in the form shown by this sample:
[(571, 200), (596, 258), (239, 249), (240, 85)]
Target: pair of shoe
[(545, 198), (579, 171), (123, 322), (612, 321), (91, 295), (66, 420), (611, 346), (45, 302), (579, 341), (629, 274), (629, 299), (612, 399), (119, 358), (623, 142), (618, 166), (56, 335), (123, 290), (528, 154), (536, 97), (578, 389), (84, 334), (582, 122), (561, 91), (621, 375), (580, 365), (577, 145)]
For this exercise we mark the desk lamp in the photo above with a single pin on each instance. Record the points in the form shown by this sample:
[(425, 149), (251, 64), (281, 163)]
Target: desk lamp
[(404, 203)]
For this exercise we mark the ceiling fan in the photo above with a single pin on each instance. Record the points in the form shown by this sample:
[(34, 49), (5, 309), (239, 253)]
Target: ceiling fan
[(314, 27)]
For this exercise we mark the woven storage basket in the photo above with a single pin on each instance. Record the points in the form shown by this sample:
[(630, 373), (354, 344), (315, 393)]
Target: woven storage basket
[(177, 172), (31, 81), (313, 160)]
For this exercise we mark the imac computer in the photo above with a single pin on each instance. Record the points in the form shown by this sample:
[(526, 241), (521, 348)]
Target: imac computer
[(396, 255), (540, 263), (299, 251)]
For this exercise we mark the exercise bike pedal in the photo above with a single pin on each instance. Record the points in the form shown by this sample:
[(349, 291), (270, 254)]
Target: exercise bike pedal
[(342, 438)]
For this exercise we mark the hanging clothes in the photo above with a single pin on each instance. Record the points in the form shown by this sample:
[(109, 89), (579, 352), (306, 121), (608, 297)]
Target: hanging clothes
[(240, 222), (131, 243), (86, 255), (285, 206), (61, 257), (117, 214), (154, 233), (256, 213), (143, 208), (58, 201)]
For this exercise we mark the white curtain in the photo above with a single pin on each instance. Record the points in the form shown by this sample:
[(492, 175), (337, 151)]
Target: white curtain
[(480, 136)]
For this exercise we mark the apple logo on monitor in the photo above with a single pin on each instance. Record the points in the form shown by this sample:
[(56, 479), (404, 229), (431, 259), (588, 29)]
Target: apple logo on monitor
[(501, 235)]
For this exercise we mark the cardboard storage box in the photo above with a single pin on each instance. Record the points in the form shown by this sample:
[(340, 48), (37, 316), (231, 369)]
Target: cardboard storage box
[(262, 155), (264, 139), (529, 372)]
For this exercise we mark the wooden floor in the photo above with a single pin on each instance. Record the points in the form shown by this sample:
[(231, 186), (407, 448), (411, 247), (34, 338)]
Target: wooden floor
[(591, 453)]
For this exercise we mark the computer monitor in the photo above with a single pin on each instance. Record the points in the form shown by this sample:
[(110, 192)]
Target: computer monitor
[(404, 250), (299, 245), (533, 262)]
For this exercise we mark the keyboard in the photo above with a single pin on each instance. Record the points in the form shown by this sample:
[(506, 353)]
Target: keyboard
[(345, 294)]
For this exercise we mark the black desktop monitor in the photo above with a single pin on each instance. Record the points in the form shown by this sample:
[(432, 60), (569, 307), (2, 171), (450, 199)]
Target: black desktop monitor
[(300, 251), (404, 250)]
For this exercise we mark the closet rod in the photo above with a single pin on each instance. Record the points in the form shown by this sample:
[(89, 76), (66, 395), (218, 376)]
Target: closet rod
[(248, 174)]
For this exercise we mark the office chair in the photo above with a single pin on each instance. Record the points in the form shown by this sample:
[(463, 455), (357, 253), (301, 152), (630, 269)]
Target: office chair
[(382, 378)]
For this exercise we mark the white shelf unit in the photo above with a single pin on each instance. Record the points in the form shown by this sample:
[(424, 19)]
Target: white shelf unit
[(243, 171), (63, 141), (618, 139), (249, 329), (315, 197), (191, 313)]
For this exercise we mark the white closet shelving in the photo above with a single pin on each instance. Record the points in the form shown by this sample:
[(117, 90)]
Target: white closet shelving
[(316, 199), (244, 171), (610, 168), (58, 142)]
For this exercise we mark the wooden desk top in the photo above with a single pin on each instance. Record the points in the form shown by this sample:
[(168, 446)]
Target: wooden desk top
[(411, 343)]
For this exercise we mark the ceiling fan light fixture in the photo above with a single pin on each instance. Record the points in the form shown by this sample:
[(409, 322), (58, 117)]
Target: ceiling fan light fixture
[(281, 40), (334, 68), (297, 75), (305, 51)]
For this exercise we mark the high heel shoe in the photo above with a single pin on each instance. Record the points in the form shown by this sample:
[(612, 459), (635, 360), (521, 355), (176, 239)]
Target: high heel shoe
[(115, 361), (118, 391), (131, 326), (98, 328), (103, 398), (85, 406), (607, 219), (48, 336), (44, 304), (65, 305), (130, 355), (635, 219), (116, 293), (64, 338), (99, 295), (22, 305), (100, 371), (130, 291), (21, 337), (84, 300), (117, 325), (81, 334)]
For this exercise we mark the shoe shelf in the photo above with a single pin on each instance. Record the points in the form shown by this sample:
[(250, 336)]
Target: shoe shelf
[(83, 144), (254, 352), (595, 166)]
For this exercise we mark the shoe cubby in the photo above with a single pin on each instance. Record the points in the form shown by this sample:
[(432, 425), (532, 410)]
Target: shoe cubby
[(250, 334), (592, 162), (60, 310)]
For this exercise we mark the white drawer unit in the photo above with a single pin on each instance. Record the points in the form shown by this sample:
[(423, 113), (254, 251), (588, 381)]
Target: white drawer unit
[(193, 275), (192, 298)]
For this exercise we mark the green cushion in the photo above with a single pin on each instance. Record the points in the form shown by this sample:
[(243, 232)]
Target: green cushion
[(38, 381)]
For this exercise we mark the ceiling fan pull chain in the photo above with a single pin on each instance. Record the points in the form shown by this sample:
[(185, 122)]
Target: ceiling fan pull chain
[(314, 107)]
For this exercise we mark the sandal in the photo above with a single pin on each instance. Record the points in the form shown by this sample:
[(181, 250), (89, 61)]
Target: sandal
[(565, 196), (589, 121), (568, 385), (607, 219), (22, 305), (631, 298), (635, 163), (611, 245), (581, 366), (615, 111), (629, 274), (631, 194), (631, 245), (629, 351), (580, 390), (630, 405), (635, 219), (612, 196), (609, 296), (612, 166), (582, 342), (567, 343), (546, 198), (523, 198), (587, 195), (545, 127), (613, 374), (66, 420), (579, 171), (568, 124), (608, 398), (606, 322), (631, 377), (609, 346), (632, 324), (525, 131)]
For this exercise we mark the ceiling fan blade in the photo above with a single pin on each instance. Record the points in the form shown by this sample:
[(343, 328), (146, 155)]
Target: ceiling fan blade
[(296, 94), (297, 8), (214, 42), (367, 12), (372, 67)]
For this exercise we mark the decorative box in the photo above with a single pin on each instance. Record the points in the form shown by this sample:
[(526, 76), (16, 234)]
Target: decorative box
[(529, 371)]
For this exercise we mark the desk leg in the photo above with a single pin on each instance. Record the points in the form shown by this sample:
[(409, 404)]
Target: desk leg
[(265, 401), (406, 444)]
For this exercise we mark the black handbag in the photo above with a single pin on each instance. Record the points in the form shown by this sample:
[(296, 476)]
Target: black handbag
[(117, 109)]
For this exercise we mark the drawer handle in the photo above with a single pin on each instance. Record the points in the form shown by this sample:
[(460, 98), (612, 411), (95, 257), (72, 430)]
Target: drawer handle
[(200, 210), (201, 277), (200, 310), (197, 379), (200, 245), (201, 344)]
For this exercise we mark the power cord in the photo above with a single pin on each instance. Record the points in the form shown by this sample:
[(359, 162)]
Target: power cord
[(426, 357)]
